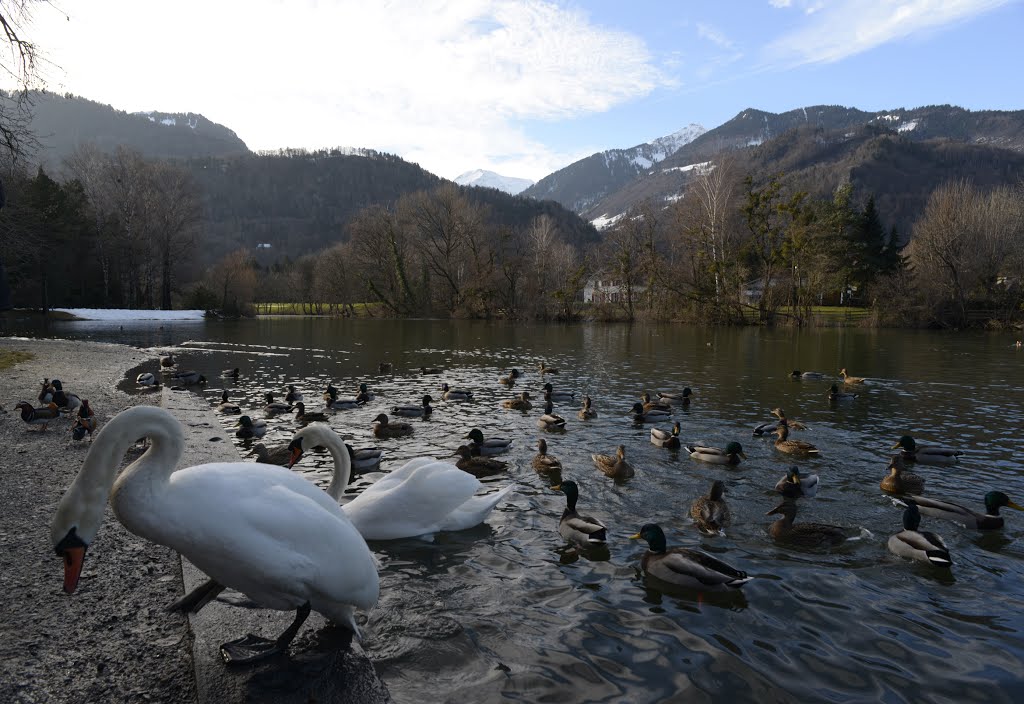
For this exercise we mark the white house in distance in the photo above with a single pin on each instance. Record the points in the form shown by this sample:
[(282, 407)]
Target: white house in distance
[(606, 289)]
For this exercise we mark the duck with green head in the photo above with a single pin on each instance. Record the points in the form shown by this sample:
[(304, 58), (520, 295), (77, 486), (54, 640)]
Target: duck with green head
[(682, 567), (912, 452), (731, 454), (794, 485), (549, 420), (990, 520), (249, 428), (917, 545), (574, 526), (490, 446)]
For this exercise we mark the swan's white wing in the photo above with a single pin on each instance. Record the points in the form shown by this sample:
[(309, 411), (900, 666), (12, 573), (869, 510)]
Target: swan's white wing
[(399, 475), (283, 543), (418, 505), (474, 510)]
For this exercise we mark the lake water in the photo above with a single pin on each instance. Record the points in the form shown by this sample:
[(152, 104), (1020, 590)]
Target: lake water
[(507, 611)]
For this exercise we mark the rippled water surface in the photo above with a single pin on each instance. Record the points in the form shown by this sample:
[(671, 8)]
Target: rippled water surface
[(508, 611)]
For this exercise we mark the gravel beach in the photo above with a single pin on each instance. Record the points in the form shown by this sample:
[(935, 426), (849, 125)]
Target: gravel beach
[(111, 641)]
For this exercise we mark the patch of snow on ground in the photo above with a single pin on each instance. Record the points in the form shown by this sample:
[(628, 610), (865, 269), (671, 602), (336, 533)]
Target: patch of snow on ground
[(673, 198), (701, 168), (890, 118), (169, 121), (644, 163), (907, 126), (606, 221), (125, 314)]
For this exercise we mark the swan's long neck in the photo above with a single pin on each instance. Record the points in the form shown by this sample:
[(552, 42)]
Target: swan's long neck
[(137, 486), (342, 461)]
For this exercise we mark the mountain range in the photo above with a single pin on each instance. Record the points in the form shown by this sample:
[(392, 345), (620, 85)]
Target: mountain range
[(899, 156)]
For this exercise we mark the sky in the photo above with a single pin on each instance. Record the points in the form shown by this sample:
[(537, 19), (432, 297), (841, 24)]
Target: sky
[(523, 87)]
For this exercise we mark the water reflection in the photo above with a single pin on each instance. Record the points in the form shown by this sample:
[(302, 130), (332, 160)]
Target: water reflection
[(509, 611)]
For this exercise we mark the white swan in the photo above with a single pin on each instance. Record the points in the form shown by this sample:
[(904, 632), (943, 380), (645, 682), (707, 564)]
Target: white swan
[(284, 542), (421, 498)]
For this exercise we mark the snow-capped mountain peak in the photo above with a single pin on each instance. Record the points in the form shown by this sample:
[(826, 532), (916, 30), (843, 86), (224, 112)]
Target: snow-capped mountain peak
[(489, 179)]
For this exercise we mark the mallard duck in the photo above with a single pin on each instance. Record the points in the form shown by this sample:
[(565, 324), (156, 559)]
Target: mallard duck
[(363, 395), (384, 368), (730, 455), (144, 379), (63, 400), (302, 417), (383, 428), (167, 361), (661, 403), (687, 568), (279, 455), (793, 485), (46, 394), (912, 452), (710, 512), (913, 545), (226, 406), (547, 370), (587, 412), (834, 394), (421, 411), (293, 395), (188, 378), (490, 446), (85, 422), (803, 534), (273, 407), (430, 370), (682, 398), (666, 438), (550, 421), (510, 379), (249, 428), (559, 396), (330, 393), (343, 404), (847, 379), (793, 447), (990, 520), (654, 415), (230, 373), (520, 403), (450, 394), (477, 465), (616, 467), (797, 374), (365, 459), (543, 462), (41, 416), (574, 527), (899, 481)]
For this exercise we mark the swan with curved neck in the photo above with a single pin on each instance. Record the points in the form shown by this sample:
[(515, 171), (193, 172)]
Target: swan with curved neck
[(285, 544), (423, 497)]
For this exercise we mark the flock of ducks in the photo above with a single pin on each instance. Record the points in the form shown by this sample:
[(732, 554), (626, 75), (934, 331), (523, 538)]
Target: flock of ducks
[(55, 403), (285, 513)]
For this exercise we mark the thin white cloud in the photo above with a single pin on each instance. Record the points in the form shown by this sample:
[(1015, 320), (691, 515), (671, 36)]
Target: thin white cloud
[(836, 30), (443, 82), (713, 35), (780, 3)]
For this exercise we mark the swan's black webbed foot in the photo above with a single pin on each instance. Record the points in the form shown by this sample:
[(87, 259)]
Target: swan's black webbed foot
[(249, 649), (198, 597), (254, 648)]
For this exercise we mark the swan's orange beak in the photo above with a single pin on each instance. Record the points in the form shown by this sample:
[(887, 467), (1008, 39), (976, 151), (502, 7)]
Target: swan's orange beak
[(73, 560), (296, 455)]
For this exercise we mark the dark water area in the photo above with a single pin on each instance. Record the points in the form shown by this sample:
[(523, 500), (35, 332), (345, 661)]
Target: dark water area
[(508, 611)]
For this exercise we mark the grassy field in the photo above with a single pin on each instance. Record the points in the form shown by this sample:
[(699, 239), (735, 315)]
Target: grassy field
[(8, 358)]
